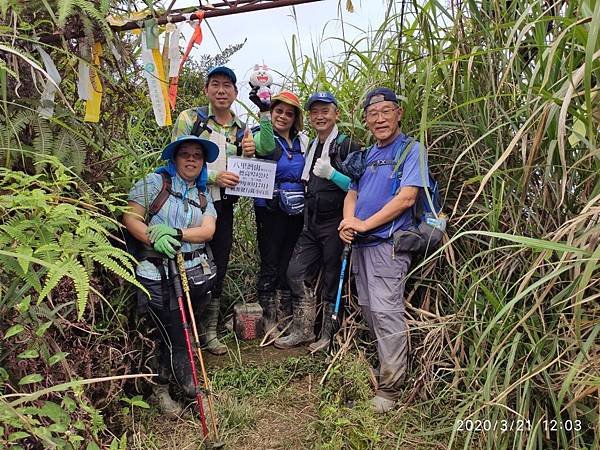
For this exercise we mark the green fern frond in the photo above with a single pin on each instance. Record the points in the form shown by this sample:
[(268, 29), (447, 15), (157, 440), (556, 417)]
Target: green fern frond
[(94, 231), (77, 159), (61, 147), (108, 263), (104, 7), (66, 8), (42, 142), (97, 16), (33, 278), (20, 121), (41, 312), (15, 231), (82, 285), (74, 270), (121, 256)]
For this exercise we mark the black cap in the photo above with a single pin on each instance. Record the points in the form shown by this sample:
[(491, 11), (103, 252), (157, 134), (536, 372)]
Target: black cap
[(380, 94)]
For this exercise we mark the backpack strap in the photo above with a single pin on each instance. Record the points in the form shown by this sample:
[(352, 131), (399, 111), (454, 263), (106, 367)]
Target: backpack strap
[(402, 153), (164, 193), (162, 196), (336, 148), (201, 123), (239, 135)]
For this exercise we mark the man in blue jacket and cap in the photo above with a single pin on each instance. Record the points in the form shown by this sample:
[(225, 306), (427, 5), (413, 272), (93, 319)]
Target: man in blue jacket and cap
[(378, 204)]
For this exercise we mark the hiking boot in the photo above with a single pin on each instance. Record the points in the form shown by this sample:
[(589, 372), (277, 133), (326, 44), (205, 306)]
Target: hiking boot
[(382, 405), (303, 324), (326, 329), (268, 302), (208, 326), (284, 308), (169, 407)]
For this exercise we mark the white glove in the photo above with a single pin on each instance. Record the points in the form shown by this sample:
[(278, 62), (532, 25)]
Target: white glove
[(323, 169)]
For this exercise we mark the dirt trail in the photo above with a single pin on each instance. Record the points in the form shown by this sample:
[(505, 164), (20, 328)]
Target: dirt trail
[(280, 421)]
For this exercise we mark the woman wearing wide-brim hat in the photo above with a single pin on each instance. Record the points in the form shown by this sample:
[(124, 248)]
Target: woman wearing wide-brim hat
[(171, 210), (279, 220)]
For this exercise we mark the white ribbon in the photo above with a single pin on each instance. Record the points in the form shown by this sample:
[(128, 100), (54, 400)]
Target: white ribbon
[(46, 108), (84, 82), (154, 86), (174, 52)]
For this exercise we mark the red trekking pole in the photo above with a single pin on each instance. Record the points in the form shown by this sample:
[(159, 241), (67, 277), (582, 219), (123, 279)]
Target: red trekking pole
[(186, 330)]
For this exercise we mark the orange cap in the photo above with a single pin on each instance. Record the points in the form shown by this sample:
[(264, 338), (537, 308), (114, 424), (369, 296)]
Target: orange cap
[(291, 99)]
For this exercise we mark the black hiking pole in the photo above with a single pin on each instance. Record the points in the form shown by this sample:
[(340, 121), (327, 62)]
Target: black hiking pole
[(335, 323), (186, 289), (186, 330)]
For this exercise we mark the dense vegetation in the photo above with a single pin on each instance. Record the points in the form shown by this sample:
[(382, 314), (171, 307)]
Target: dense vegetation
[(505, 316)]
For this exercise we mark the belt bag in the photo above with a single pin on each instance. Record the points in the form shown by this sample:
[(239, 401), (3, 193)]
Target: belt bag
[(203, 275), (291, 198), (423, 239)]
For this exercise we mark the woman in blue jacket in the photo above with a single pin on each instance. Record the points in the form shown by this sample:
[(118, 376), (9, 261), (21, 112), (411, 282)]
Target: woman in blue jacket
[(279, 220)]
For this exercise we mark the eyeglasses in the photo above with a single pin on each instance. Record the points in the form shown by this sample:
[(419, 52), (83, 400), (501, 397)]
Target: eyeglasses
[(290, 114), (195, 156), (387, 113)]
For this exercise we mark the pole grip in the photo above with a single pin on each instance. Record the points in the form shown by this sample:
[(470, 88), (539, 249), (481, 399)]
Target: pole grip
[(176, 278)]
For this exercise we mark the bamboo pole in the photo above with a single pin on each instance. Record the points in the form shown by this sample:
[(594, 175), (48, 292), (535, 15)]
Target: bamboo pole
[(217, 10)]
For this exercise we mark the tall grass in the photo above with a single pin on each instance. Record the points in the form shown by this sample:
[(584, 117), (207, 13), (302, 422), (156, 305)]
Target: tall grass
[(505, 97)]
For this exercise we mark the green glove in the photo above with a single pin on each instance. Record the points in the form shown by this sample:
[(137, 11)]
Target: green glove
[(167, 245), (155, 232)]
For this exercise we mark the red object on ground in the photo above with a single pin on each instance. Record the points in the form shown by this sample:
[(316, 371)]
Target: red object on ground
[(247, 321)]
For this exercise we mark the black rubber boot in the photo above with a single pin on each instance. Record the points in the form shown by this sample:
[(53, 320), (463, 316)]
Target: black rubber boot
[(268, 302), (303, 323), (284, 308), (326, 329)]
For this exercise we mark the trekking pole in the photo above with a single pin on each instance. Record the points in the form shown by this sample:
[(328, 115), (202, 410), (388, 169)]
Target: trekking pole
[(335, 325), (186, 330), (186, 290)]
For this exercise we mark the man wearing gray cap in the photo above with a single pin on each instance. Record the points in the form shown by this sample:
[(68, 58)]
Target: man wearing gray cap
[(379, 202)]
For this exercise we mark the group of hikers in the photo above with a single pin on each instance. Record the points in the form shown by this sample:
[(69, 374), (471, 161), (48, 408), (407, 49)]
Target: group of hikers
[(328, 193)]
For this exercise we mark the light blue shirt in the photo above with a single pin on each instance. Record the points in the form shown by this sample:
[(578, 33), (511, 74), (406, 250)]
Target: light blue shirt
[(176, 212)]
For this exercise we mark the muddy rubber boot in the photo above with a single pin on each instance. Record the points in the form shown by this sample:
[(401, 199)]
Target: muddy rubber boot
[(284, 308), (169, 407), (208, 325), (268, 302), (303, 324), (382, 405), (326, 330)]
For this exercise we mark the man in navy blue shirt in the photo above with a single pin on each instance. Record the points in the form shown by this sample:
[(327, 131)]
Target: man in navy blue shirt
[(378, 204)]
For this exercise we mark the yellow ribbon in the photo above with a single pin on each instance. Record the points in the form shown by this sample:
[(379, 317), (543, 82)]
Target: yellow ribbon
[(92, 104)]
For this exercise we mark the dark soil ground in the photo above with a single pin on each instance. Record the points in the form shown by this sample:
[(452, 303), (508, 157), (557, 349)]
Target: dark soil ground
[(278, 421)]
